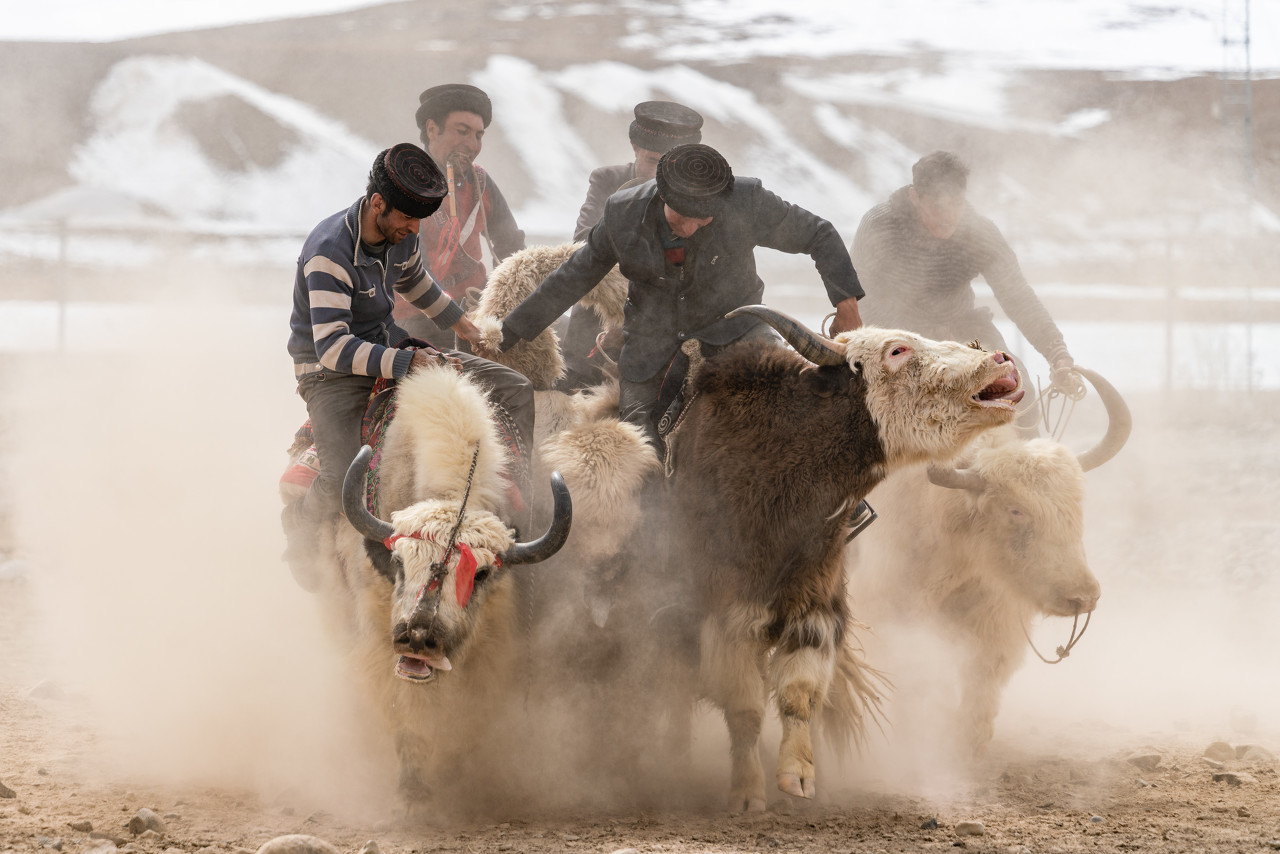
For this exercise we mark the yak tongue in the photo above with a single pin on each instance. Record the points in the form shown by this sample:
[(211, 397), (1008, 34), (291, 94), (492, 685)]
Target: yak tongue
[(441, 663)]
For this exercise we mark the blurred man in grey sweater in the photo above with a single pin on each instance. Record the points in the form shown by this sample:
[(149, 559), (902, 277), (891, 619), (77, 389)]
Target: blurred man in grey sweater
[(918, 253)]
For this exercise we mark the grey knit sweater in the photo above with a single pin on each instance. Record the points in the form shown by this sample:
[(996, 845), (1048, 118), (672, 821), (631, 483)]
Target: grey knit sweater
[(919, 282)]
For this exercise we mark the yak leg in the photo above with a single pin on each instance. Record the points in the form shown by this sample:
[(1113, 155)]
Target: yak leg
[(411, 752), (800, 679), (733, 677), (984, 683)]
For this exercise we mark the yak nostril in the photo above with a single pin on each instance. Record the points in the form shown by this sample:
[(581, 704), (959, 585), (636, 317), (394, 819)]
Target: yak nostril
[(423, 638), (1084, 605)]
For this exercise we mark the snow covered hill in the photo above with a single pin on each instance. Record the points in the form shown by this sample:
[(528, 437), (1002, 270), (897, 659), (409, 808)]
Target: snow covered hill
[(1090, 125)]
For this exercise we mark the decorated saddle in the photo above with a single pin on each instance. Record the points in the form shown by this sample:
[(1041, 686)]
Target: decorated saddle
[(304, 461)]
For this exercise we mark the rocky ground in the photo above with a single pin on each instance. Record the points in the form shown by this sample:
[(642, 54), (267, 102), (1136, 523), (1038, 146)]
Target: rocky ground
[(1163, 781), (1156, 798)]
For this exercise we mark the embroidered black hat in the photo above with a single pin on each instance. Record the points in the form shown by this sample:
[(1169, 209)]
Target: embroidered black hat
[(409, 180), (694, 180), (438, 102), (661, 125)]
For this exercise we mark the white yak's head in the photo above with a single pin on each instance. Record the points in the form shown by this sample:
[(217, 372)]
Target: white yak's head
[(1025, 509), (927, 398), (442, 559)]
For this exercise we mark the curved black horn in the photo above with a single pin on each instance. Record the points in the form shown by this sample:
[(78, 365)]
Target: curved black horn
[(954, 478), (550, 542), (1119, 422), (815, 348), (353, 503)]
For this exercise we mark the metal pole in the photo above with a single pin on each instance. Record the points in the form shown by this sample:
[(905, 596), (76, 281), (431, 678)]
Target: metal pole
[(63, 231), (1170, 305), (1250, 231), (1248, 104)]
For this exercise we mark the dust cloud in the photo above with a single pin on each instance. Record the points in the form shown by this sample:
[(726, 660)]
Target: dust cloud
[(145, 503), (144, 497)]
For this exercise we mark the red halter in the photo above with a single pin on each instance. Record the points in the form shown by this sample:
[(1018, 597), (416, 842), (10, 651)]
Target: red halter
[(464, 582)]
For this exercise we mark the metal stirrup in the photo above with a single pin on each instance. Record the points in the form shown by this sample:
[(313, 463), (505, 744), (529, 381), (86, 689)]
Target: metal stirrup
[(862, 516)]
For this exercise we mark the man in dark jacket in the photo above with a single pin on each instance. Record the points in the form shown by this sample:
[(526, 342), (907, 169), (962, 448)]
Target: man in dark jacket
[(686, 244), (342, 337), (658, 127), (919, 252)]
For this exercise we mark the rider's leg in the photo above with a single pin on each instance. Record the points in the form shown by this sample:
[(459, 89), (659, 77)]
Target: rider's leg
[(335, 403), (637, 402)]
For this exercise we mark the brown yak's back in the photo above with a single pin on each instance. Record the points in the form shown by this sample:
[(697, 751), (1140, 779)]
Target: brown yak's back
[(775, 451)]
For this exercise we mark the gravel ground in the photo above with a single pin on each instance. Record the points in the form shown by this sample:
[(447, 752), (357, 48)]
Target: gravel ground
[(204, 716)]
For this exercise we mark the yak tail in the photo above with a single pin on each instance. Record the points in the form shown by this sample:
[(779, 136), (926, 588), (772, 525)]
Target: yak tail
[(853, 702)]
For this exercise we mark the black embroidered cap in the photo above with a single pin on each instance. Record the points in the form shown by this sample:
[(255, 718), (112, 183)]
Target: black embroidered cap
[(409, 180), (694, 180), (661, 125), (438, 102)]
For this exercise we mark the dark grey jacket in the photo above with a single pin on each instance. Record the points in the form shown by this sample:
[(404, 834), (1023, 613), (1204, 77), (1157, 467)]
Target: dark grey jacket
[(666, 306), (604, 182)]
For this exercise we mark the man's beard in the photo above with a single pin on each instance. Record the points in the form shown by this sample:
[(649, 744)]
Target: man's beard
[(388, 231)]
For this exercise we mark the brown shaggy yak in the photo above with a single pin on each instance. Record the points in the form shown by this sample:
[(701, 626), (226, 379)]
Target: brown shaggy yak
[(775, 449)]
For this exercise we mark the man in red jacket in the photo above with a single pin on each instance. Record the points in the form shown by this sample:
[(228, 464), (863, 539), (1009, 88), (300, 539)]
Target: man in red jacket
[(474, 229)]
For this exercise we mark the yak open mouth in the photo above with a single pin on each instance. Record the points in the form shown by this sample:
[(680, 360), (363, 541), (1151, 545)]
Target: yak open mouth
[(419, 668), (1004, 391)]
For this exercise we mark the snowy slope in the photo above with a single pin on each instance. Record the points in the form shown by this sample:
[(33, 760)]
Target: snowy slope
[(1160, 37), (168, 146), (140, 148)]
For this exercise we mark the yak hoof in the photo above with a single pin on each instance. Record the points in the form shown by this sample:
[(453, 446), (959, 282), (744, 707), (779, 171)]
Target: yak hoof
[(745, 803), (793, 784)]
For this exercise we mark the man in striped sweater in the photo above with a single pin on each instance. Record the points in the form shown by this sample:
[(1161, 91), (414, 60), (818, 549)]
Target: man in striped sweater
[(343, 337), (917, 256)]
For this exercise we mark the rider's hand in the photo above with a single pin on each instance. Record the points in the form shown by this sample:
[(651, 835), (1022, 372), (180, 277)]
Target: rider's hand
[(1064, 377), (430, 357), (468, 331), (847, 316)]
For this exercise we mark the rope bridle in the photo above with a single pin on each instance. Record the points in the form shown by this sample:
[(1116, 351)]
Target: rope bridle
[(439, 569), (1062, 651), (1057, 405)]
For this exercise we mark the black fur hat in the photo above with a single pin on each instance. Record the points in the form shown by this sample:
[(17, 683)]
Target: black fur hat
[(661, 125), (409, 180), (694, 180), (438, 102)]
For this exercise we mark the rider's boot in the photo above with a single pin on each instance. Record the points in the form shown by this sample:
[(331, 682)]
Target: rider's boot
[(301, 551)]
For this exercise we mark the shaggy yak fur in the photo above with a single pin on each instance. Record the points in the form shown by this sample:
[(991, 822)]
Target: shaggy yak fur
[(604, 461), (577, 664), (439, 670), (517, 277), (974, 554), (772, 456)]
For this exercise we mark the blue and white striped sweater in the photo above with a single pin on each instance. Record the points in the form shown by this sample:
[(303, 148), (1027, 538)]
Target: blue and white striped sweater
[(342, 299)]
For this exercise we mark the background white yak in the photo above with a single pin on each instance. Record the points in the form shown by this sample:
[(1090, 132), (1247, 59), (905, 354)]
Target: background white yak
[(974, 551)]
